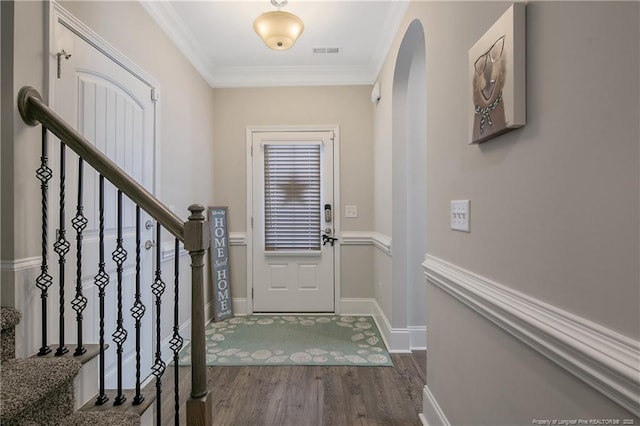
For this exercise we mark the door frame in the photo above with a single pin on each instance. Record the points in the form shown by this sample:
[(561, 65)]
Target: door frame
[(58, 15), (336, 202)]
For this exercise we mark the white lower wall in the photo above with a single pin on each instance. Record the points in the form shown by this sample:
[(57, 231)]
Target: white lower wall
[(19, 277)]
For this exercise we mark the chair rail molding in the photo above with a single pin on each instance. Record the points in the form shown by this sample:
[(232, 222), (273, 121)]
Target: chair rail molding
[(237, 238), (600, 357), (168, 251), (20, 264), (355, 238)]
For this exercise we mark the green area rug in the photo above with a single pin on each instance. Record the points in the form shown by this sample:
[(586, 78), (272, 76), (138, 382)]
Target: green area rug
[(293, 340)]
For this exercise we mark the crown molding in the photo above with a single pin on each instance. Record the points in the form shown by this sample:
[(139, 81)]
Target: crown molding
[(269, 76), (166, 17), (170, 22), (397, 10)]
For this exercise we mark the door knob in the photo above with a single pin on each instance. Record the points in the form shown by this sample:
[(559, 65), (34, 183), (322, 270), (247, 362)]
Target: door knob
[(148, 244), (327, 238), (148, 224)]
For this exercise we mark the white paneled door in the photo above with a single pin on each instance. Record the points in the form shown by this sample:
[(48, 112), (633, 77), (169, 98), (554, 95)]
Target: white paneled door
[(293, 265), (114, 110)]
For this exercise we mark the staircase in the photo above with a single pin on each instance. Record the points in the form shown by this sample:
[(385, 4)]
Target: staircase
[(41, 390), (59, 385)]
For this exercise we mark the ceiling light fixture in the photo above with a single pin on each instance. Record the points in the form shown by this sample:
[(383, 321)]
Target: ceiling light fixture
[(279, 30)]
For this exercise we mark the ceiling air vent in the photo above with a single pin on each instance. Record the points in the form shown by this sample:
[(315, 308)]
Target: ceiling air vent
[(325, 50)]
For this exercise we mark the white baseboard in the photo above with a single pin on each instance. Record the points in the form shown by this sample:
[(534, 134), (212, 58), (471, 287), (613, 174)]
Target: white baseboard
[(417, 337), (208, 313), (600, 357), (397, 340), (432, 414), (239, 305), (355, 306)]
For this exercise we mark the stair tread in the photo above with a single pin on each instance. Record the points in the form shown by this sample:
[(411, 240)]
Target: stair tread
[(27, 381), (93, 350), (9, 318), (106, 418), (149, 394)]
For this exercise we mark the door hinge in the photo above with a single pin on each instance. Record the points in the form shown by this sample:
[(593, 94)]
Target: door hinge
[(154, 95), (252, 222)]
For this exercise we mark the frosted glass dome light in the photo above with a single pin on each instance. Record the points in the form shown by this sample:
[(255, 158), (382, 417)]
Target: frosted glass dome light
[(279, 30)]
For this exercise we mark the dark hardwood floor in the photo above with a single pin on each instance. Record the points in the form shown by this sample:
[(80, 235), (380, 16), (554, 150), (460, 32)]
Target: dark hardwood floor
[(309, 395)]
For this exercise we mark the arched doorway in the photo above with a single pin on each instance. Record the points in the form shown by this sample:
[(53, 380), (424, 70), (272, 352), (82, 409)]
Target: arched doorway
[(409, 152)]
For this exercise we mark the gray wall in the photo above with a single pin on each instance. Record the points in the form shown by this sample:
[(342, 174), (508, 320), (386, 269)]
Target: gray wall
[(546, 200)]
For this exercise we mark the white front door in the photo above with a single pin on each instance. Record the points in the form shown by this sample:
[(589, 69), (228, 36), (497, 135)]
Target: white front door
[(114, 110), (293, 271)]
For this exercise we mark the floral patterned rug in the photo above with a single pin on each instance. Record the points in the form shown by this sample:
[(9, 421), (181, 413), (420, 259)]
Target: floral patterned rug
[(293, 340)]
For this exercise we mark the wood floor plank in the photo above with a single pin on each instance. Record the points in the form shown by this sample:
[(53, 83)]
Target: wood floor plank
[(309, 395)]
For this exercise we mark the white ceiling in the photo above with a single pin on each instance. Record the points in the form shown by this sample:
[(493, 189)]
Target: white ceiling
[(217, 36)]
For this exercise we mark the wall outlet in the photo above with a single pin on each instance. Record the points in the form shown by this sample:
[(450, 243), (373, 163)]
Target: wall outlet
[(350, 211), (460, 215)]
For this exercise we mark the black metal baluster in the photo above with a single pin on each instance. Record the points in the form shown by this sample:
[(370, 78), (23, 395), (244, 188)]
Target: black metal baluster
[(44, 280), (176, 341), (101, 280), (61, 247), (157, 289), (137, 311), (119, 256), (79, 223)]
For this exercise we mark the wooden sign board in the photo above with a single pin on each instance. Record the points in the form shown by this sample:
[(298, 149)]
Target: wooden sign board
[(219, 252)]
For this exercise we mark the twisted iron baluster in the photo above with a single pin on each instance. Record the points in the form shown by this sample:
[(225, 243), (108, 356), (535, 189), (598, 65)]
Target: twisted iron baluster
[(119, 256), (44, 280), (176, 341), (101, 280), (61, 247), (137, 311), (157, 289), (79, 223)]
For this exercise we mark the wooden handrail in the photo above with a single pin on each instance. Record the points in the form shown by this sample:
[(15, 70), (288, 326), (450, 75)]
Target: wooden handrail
[(33, 111)]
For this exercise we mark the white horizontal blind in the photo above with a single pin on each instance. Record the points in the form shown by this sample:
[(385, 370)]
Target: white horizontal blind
[(291, 197)]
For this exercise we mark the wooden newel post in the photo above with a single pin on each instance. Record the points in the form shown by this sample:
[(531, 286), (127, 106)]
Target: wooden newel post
[(196, 241)]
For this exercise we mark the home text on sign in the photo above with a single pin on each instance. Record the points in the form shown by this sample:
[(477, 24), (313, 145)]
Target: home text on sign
[(220, 263)]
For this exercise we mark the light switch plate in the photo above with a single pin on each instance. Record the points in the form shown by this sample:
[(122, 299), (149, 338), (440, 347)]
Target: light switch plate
[(350, 211), (460, 215)]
